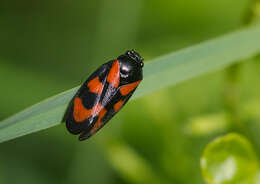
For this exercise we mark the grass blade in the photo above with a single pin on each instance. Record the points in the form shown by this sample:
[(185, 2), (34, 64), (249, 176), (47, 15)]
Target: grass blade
[(159, 73)]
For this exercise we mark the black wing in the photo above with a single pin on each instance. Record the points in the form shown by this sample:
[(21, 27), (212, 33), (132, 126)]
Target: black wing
[(85, 102)]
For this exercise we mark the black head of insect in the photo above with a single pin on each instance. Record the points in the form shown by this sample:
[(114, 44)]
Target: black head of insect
[(131, 64)]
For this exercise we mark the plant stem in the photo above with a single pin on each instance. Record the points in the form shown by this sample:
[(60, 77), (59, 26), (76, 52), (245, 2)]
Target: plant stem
[(252, 12), (232, 97), (232, 92)]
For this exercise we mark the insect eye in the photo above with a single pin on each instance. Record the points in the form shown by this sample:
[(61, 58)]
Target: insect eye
[(125, 70)]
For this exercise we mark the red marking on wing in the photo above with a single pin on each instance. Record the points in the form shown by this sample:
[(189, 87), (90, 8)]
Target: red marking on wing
[(124, 90), (95, 86), (99, 123), (118, 105), (113, 77), (80, 113)]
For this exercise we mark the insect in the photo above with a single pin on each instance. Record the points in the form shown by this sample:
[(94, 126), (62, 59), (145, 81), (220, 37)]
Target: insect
[(103, 94)]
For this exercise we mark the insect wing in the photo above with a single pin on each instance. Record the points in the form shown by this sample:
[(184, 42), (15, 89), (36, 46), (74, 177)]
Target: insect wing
[(84, 107), (108, 96), (116, 100)]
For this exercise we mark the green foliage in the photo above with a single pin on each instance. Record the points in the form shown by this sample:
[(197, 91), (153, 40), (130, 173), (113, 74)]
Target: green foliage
[(207, 124), (50, 46), (131, 166), (229, 160)]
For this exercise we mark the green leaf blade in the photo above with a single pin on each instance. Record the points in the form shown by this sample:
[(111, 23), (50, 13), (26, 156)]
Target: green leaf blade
[(200, 59), (168, 70)]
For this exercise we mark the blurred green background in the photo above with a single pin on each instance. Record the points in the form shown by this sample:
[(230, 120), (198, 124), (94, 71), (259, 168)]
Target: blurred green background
[(47, 47)]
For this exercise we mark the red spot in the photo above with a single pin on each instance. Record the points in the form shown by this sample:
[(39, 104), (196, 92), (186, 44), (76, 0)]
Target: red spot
[(99, 123), (126, 89), (80, 113), (118, 105), (95, 86), (113, 77)]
